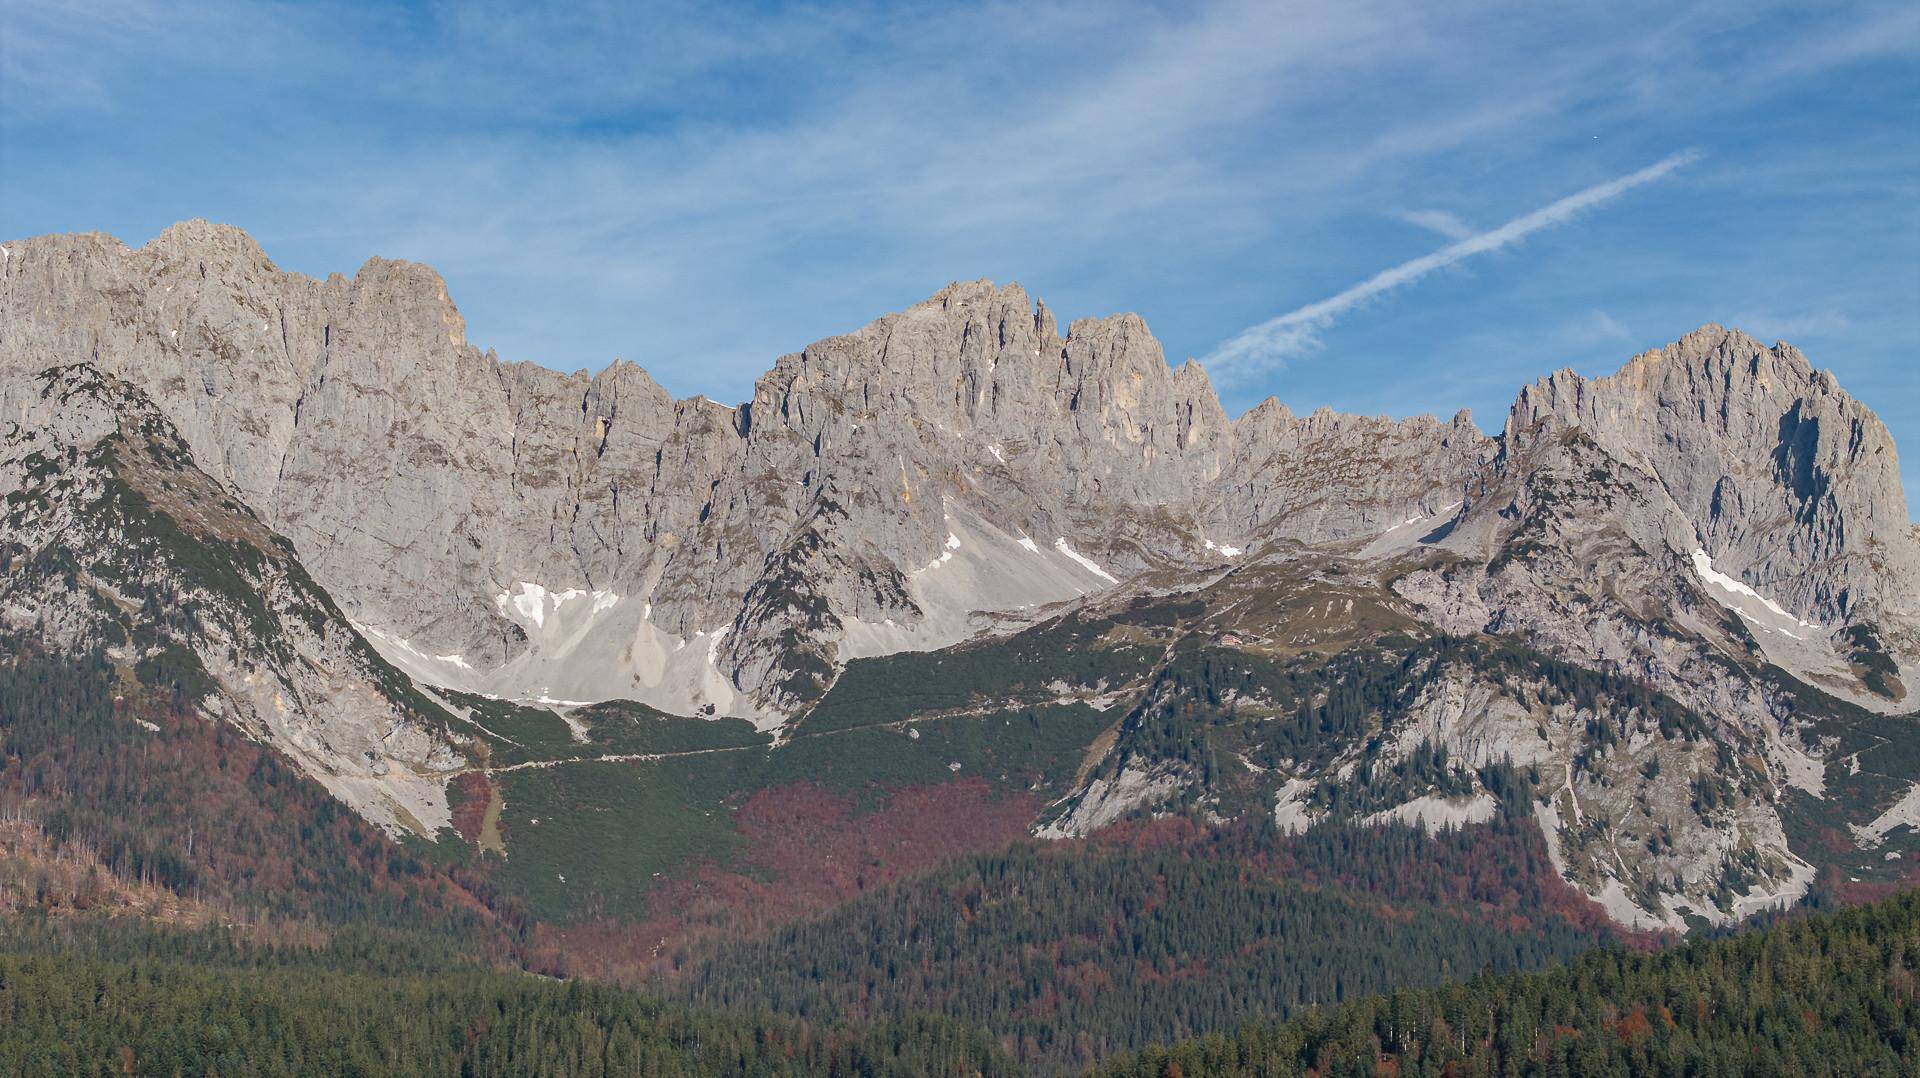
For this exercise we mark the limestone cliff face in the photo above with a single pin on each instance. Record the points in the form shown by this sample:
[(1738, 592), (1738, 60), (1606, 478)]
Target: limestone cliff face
[(1787, 482), (303, 489), (451, 499), (503, 527), (1329, 477)]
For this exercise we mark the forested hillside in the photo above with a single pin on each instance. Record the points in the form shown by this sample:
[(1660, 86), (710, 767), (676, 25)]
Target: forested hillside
[(1070, 952), (121, 797), (119, 1000), (1830, 994)]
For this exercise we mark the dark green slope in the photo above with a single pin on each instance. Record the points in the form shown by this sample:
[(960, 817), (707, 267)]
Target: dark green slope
[(143, 790), (1068, 952), (1825, 994), (1829, 994), (138, 1003)]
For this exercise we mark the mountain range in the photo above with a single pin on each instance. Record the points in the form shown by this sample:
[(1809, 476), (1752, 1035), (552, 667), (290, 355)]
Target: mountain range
[(1666, 619)]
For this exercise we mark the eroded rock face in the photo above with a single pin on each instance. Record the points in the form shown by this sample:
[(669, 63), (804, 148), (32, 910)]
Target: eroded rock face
[(1714, 513), (1787, 482), (511, 529), (1329, 477), (427, 483), (1679, 526)]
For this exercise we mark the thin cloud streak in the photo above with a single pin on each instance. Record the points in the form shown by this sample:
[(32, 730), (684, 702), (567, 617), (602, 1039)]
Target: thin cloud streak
[(1268, 345), (1447, 224)]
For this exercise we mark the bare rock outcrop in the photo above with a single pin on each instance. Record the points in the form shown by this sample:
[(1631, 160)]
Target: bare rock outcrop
[(1788, 483), (502, 527)]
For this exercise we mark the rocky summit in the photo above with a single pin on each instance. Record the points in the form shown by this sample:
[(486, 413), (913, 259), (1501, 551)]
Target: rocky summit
[(507, 528), (1662, 610)]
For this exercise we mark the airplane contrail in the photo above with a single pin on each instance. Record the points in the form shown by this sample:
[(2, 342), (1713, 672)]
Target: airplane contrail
[(1272, 341)]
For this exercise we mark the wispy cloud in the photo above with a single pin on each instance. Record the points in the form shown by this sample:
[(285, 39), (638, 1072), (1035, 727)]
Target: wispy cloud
[(1271, 343), (1447, 224), (1595, 328), (701, 189)]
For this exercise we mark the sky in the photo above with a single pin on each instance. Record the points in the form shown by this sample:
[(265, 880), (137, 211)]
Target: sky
[(1379, 207)]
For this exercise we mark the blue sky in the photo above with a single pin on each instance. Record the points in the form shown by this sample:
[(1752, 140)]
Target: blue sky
[(701, 188)]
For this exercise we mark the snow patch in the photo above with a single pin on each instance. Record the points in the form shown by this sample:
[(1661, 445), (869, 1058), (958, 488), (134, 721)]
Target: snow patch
[(1086, 563), (533, 602), (399, 650), (530, 602), (1032, 547), (1418, 517), (1703, 565), (1405, 534), (953, 544), (551, 702)]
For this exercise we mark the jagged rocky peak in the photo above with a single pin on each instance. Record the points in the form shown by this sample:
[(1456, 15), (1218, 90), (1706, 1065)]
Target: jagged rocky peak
[(979, 369), (441, 493), (1330, 477), (1127, 402), (1715, 513), (219, 247), (531, 531), (1787, 482), (1271, 425)]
